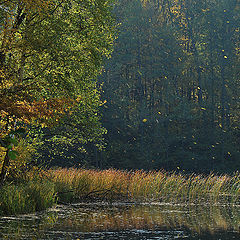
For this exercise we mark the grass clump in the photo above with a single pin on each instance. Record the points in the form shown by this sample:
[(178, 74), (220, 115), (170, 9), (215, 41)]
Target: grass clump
[(32, 196)]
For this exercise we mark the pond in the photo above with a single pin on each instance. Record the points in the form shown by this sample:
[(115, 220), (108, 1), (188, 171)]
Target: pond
[(126, 221)]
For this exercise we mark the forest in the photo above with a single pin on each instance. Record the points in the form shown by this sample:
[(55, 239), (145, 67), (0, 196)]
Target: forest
[(169, 91), (130, 84), (172, 86)]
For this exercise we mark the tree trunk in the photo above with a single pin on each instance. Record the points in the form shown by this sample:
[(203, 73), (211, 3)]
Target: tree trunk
[(4, 170)]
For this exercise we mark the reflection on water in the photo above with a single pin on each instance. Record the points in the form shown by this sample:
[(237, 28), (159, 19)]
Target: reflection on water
[(126, 221)]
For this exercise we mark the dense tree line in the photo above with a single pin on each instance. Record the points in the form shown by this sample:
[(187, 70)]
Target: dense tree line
[(172, 86)]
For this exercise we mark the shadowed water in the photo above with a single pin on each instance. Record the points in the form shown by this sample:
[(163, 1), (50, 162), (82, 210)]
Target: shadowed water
[(126, 221)]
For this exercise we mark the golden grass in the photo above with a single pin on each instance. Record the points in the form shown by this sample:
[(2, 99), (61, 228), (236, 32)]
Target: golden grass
[(41, 189), (139, 185)]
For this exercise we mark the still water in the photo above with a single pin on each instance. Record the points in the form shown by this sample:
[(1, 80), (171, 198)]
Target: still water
[(126, 221)]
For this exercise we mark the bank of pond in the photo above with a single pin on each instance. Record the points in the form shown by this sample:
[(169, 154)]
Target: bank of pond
[(114, 204), (37, 189)]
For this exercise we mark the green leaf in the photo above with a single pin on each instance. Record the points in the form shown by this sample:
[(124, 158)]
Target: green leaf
[(10, 146), (12, 154)]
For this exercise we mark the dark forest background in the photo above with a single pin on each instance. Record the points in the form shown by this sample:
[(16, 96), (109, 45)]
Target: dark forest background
[(170, 89)]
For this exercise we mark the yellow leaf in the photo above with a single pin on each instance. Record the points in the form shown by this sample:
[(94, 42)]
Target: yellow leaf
[(144, 120)]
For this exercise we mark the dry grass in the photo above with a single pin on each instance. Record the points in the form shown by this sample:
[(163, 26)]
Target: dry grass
[(41, 189), (146, 186)]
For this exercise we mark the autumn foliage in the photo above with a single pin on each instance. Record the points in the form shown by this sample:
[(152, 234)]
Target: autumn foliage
[(18, 99), (50, 53), (23, 100)]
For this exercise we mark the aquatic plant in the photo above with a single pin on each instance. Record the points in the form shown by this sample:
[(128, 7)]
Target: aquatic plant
[(41, 189), (139, 185)]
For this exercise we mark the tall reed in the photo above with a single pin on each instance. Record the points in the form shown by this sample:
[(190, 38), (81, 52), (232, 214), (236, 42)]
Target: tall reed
[(140, 185), (42, 189)]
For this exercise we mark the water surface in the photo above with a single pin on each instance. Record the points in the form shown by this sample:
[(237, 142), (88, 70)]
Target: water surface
[(126, 221)]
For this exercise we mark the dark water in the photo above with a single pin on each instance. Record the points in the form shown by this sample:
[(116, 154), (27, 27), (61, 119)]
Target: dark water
[(126, 221)]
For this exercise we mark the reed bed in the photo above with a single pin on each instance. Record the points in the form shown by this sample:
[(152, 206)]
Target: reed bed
[(158, 186), (41, 189)]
